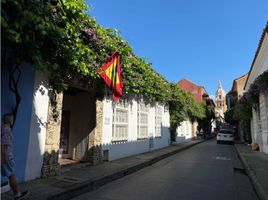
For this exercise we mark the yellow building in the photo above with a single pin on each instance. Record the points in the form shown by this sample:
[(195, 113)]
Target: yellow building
[(220, 102)]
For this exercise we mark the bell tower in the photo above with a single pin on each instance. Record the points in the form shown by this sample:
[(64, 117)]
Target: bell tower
[(220, 101)]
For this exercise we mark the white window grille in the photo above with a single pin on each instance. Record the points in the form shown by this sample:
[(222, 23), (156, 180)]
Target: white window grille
[(158, 121), (143, 110), (120, 121)]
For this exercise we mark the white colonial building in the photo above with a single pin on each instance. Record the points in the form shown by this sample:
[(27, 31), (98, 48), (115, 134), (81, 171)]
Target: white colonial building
[(132, 126), (78, 125), (186, 131), (259, 121)]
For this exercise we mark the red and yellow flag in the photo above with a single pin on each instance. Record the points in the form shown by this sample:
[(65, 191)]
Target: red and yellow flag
[(110, 72)]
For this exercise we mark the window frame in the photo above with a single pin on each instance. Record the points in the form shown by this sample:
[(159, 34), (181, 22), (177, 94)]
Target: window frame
[(142, 111), (121, 105), (158, 118)]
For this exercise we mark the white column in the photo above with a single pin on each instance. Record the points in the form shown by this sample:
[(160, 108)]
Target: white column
[(37, 136)]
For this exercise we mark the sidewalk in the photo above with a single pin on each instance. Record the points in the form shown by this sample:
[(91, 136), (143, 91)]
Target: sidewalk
[(256, 165), (82, 178)]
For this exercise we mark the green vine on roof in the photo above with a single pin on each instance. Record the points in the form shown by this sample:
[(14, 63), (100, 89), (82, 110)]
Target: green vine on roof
[(61, 39)]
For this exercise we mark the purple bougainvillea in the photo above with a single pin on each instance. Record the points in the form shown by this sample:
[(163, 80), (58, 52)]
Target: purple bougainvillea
[(259, 86), (96, 64), (92, 35), (88, 32)]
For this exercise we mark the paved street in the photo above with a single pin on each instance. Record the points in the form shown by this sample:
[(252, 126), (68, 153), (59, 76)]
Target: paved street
[(206, 171)]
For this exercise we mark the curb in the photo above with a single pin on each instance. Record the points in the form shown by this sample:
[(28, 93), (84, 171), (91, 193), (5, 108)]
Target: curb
[(252, 176), (88, 186)]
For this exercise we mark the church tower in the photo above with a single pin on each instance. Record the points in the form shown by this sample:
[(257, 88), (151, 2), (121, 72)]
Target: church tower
[(220, 101)]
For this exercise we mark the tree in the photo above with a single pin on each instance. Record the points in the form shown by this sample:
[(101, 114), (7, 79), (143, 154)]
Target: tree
[(229, 116), (243, 114), (177, 109), (27, 34), (205, 122), (182, 106), (47, 34)]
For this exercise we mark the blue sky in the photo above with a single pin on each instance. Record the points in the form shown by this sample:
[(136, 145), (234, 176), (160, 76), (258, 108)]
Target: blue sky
[(202, 40)]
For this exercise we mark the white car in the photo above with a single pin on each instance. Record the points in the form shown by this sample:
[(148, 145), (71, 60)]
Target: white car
[(225, 135)]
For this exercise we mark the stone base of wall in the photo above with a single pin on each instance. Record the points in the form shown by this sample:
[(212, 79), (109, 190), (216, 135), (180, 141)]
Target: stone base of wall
[(95, 139), (51, 166), (95, 155), (50, 170)]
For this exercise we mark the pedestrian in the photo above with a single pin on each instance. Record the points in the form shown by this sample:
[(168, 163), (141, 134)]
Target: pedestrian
[(7, 158)]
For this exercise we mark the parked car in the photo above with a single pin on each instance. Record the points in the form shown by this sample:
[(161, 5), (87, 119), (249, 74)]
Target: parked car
[(225, 135)]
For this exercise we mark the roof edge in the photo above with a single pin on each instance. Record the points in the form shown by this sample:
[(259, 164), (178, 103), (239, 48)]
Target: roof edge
[(238, 79), (265, 30), (189, 81)]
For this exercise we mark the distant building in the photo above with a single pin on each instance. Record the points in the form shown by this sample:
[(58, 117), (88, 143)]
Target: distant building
[(237, 90), (233, 96), (200, 95), (220, 102), (199, 92)]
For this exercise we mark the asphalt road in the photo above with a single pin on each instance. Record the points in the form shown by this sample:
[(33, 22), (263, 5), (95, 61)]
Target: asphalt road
[(206, 171)]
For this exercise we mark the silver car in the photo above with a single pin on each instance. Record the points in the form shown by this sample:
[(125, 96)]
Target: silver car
[(225, 135)]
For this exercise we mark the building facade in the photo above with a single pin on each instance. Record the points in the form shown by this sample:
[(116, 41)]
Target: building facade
[(82, 123), (237, 91), (132, 126), (233, 97), (188, 129), (259, 121), (199, 92)]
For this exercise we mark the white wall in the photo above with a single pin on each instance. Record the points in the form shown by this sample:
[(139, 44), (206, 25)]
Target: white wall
[(165, 139), (264, 122), (133, 146), (256, 131), (213, 126), (36, 147), (184, 131), (260, 135)]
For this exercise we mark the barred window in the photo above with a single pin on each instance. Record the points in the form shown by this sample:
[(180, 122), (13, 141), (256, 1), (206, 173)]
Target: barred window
[(158, 121), (142, 122), (120, 121)]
